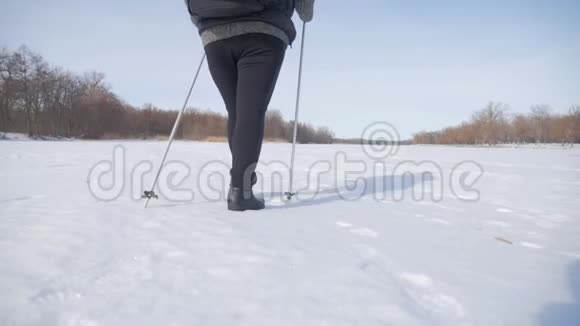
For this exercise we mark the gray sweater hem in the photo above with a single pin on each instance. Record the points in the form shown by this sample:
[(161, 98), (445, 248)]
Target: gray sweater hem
[(226, 31)]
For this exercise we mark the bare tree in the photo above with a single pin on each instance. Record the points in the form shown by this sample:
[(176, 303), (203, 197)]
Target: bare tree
[(540, 115), (490, 123), (276, 127), (573, 124), (6, 88), (522, 129), (42, 100)]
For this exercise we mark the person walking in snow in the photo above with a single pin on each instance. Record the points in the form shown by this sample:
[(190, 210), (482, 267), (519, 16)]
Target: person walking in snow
[(245, 42)]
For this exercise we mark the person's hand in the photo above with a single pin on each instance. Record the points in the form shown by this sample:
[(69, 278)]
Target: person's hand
[(305, 10)]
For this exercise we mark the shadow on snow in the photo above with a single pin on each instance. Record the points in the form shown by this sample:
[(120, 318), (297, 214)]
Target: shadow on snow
[(390, 185), (565, 313)]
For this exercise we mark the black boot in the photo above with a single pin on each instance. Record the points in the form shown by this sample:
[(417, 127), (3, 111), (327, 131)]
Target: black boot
[(240, 200), (253, 178)]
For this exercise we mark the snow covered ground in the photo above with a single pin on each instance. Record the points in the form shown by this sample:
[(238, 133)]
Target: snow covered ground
[(344, 256), (22, 137)]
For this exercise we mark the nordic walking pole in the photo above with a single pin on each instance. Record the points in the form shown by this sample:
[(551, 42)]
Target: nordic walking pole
[(152, 194), (290, 192)]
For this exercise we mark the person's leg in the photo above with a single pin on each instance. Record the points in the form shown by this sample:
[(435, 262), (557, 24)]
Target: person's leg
[(224, 71), (259, 63)]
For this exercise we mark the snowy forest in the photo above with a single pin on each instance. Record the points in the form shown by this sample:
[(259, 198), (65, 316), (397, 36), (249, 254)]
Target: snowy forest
[(43, 100), (494, 125)]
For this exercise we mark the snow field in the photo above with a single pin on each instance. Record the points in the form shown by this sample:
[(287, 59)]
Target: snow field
[(510, 258)]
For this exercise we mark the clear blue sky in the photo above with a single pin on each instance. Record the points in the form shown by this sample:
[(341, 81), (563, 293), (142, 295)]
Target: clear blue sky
[(417, 64)]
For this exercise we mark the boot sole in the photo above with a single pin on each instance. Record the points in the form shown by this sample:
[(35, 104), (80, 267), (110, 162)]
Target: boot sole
[(236, 208)]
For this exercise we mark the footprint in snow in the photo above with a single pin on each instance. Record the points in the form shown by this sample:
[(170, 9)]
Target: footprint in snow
[(570, 254), (17, 200), (422, 290), (276, 202), (343, 224), (366, 252), (439, 221), (531, 245), (536, 235), (365, 232), (504, 210), (55, 294), (14, 199), (500, 224), (79, 320)]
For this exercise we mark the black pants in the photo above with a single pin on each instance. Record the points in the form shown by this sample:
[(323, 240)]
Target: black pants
[(245, 69)]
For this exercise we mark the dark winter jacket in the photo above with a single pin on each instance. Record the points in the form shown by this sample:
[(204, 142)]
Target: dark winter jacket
[(277, 13)]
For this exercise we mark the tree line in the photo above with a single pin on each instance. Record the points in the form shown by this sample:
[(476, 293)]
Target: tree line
[(494, 125), (41, 100)]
